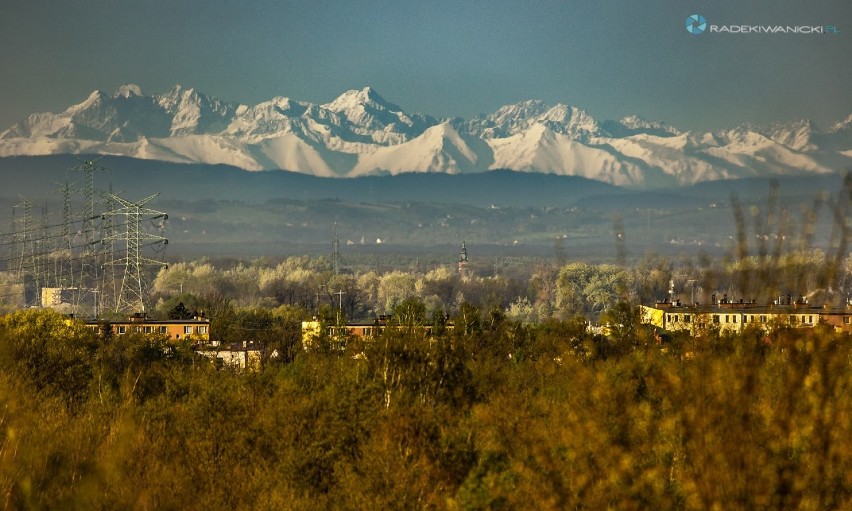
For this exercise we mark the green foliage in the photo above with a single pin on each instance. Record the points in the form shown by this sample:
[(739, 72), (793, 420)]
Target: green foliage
[(585, 289)]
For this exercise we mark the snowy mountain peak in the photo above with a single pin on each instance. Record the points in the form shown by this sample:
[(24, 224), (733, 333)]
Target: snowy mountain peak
[(176, 90), (794, 134), (193, 112), (515, 118), (520, 111), (96, 97), (369, 94), (178, 94), (842, 125), (354, 99), (636, 125), (128, 90), (635, 122), (442, 133), (289, 107), (745, 135), (439, 149), (372, 116), (360, 133)]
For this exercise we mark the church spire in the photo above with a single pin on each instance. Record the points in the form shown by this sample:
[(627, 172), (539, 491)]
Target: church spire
[(463, 260)]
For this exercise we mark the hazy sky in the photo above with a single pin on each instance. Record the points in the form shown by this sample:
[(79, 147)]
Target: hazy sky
[(611, 57)]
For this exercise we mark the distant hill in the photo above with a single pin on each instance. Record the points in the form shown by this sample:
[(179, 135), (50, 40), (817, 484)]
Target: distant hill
[(222, 210), (36, 176)]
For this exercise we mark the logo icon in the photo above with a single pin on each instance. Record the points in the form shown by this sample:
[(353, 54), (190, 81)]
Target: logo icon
[(696, 24)]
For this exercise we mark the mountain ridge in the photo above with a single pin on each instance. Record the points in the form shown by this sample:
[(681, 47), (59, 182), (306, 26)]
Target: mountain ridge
[(360, 133)]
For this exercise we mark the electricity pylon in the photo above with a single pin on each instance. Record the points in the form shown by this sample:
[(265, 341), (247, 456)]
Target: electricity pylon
[(335, 251), (24, 243), (23, 238), (133, 294), (89, 279), (65, 257)]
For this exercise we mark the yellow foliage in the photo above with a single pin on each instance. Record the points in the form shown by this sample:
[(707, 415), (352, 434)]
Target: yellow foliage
[(493, 419)]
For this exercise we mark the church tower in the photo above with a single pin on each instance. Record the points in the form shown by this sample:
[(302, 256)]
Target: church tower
[(463, 260)]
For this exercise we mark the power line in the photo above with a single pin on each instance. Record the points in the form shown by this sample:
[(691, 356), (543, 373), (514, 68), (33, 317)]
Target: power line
[(79, 251)]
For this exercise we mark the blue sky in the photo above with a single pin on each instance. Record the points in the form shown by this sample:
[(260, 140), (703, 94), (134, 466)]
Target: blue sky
[(611, 57)]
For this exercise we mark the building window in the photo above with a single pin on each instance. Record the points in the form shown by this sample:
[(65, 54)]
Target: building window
[(792, 320), (763, 319), (149, 330), (675, 318), (811, 320), (163, 330), (727, 318), (202, 329), (122, 329), (846, 319), (187, 330), (715, 318), (686, 318), (734, 319)]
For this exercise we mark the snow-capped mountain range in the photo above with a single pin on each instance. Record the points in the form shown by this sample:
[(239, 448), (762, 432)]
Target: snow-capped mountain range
[(360, 134)]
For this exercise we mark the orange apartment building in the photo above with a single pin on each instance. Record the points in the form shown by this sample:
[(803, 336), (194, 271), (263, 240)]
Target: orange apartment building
[(196, 329)]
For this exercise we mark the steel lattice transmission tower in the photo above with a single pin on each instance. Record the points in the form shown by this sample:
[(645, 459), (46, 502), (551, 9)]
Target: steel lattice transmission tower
[(133, 293), (108, 287), (65, 259), (335, 251), (24, 243), (88, 168), (23, 236), (90, 260)]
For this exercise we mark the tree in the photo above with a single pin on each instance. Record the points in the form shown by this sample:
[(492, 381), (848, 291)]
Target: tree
[(468, 320), (440, 283), (624, 325), (410, 312), (522, 311), (50, 350), (590, 289), (394, 287), (180, 311)]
